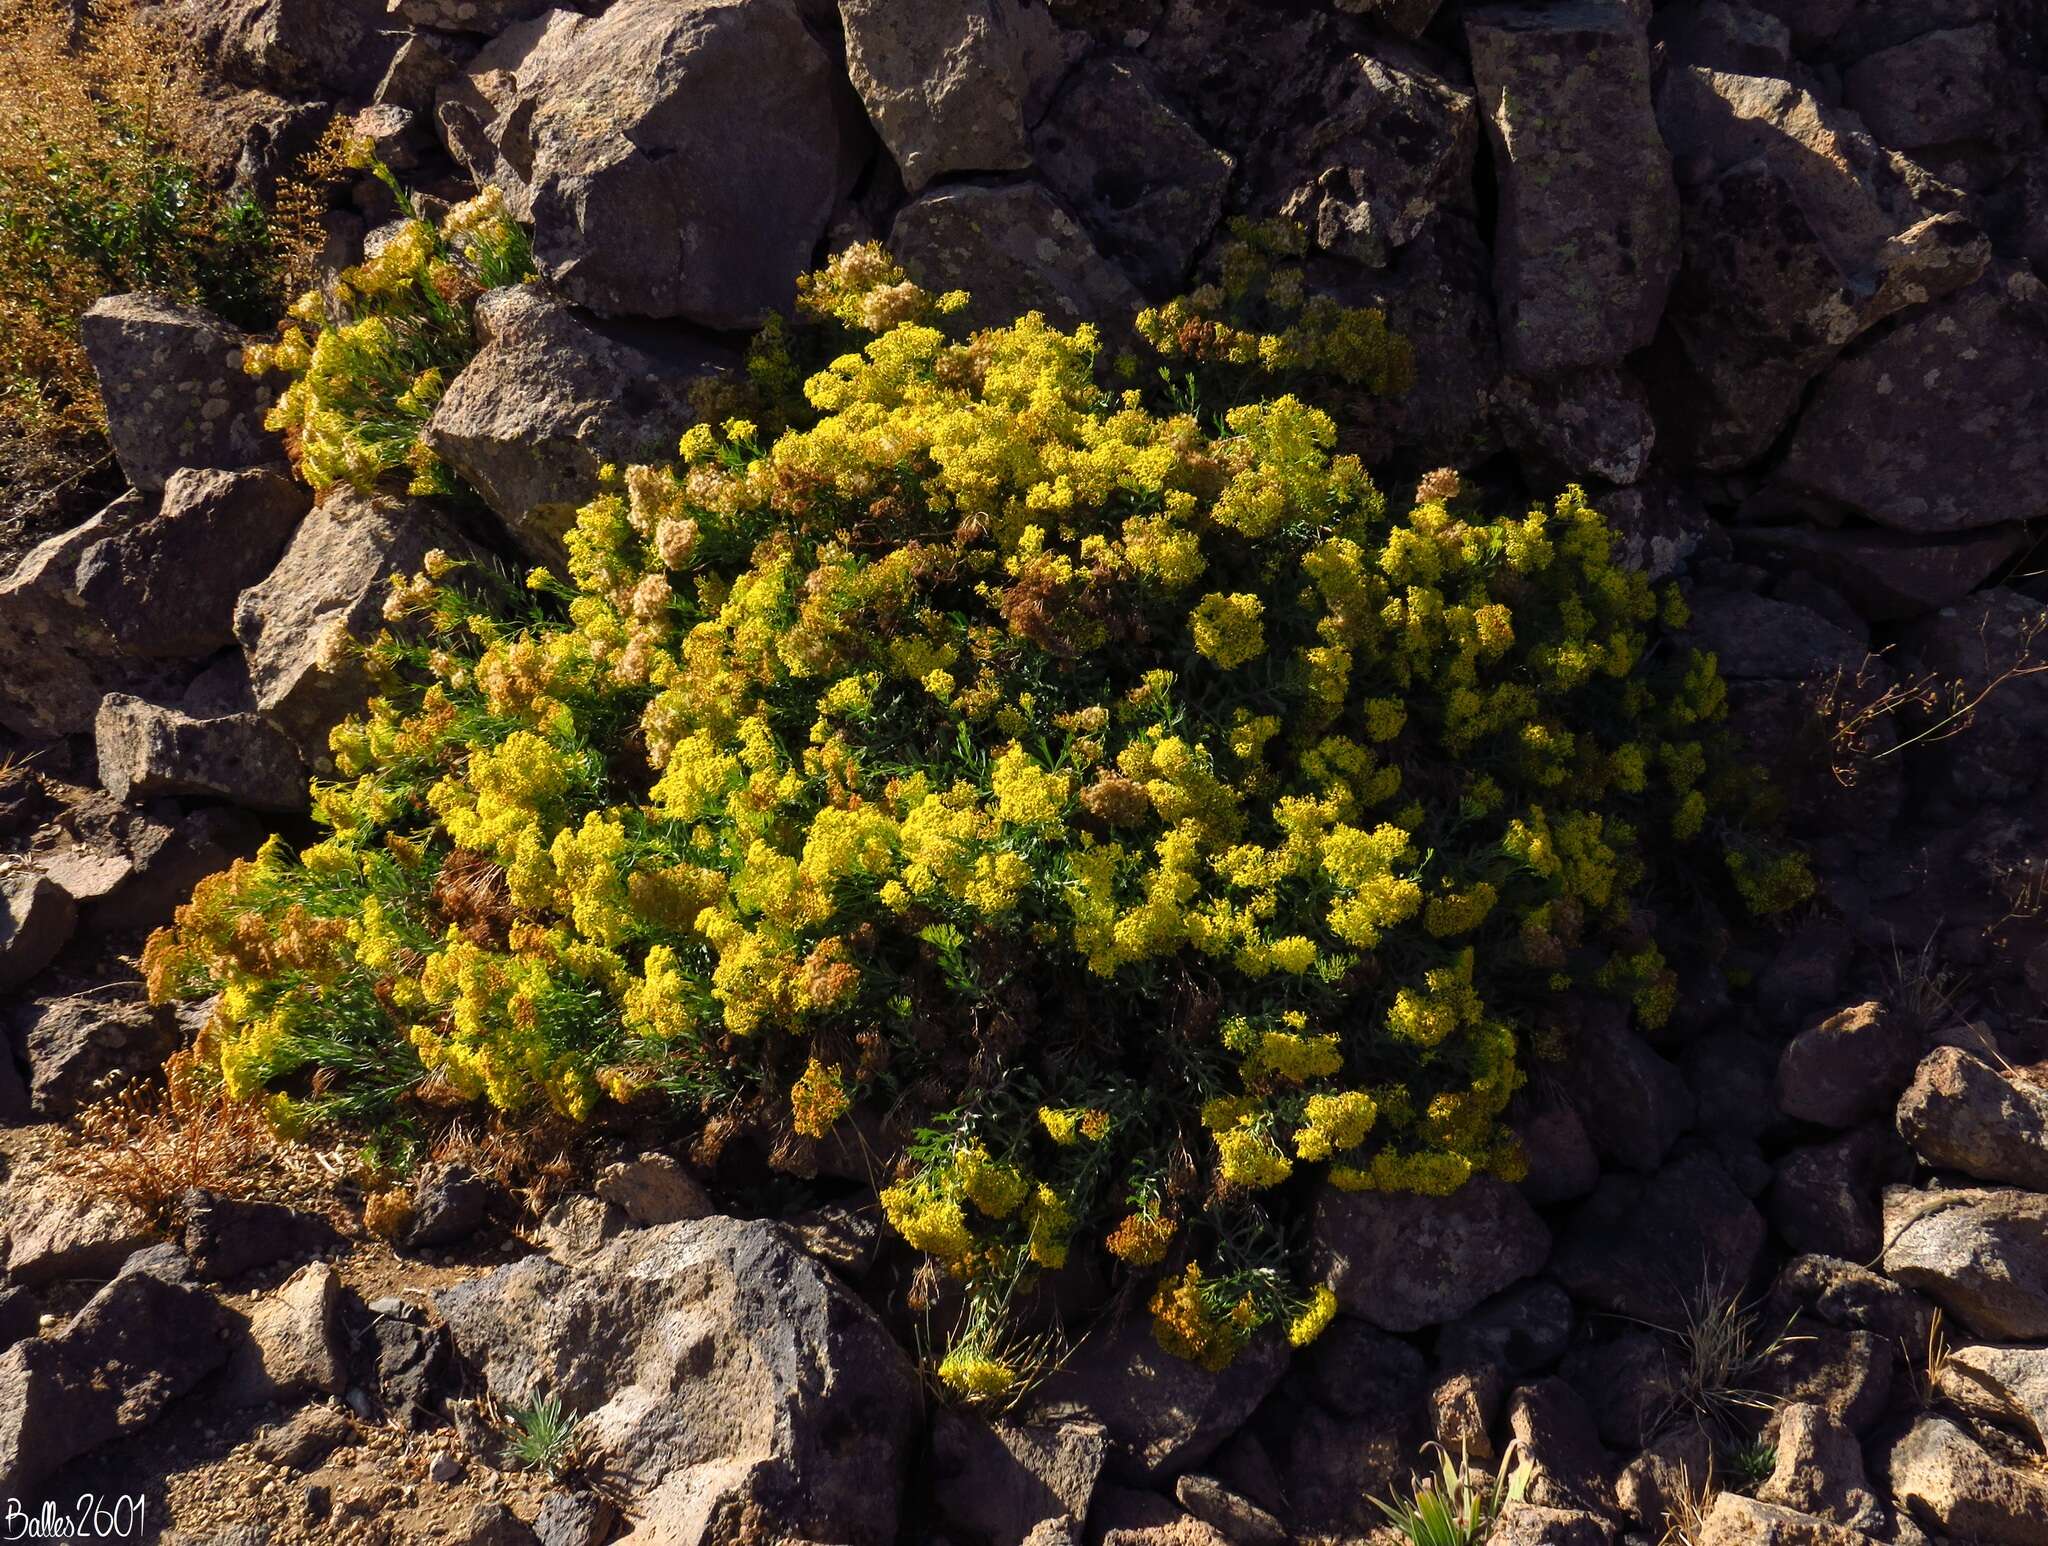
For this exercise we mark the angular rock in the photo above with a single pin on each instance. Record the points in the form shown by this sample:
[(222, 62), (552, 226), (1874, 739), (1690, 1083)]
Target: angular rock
[(1462, 1409), (1820, 1469), (294, 46), (1735, 1520), (1754, 638), (1949, 413), (2000, 1384), (1531, 1524), (718, 1370), (676, 160), (1646, 1246), (943, 82), (311, 1434), (449, 1204), (1960, 1113), (1841, 1293), (1665, 1477), (1012, 249), (58, 1230), (1523, 1330), (1936, 88), (581, 1226), (1981, 1254), (175, 390), (168, 861), (1128, 1518), (36, 919), (295, 627), (1658, 524), (1562, 1164), (1164, 1414), (295, 1341), (166, 586), (228, 1236), (1237, 1519), (1588, 236), (654, 1189), (85, 1046), (1847, 1068), (146, 750), (548, 400), (574, 1519), (1404, 1262), (1000, 1480), (1359, 1370), (1634, 1104), (1824, 1199), (1580, 424), (1629, 1384), (1569, 1469), (110, 1371), (1949, 1483), (1146, 184), (1847, 1374), (1888, 576), (489, 17), (408, 1364), (1330, 1466)]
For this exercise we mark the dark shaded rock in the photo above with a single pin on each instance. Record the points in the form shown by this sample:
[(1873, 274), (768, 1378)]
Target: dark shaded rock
[(1658, 525), (1629, 1384), (574, 1519), (146, 750), (1960, 1113), (1756, 638), (110, 1371), (616, 134), (1561, 1445), (1841, 1293), (1531, 1524), (406, 1366), (21, 1315), (1562, 1164), (1723, 35), (226, 1237), (1358, 1370), (549, 399), (1824, 1199), (449, 1204), (720, 1369), (1888, 576), (1330, 1466), (1634, 1104), (1012, 249), (175, 390), (1580, 425), (1981, 1254), (1847, 1374), (1731, 1074), (1147, 186), (1000, 1480), (83, 1047), (943, 82), (1943, 449), (486, 16), (1403, 1261), (168, 861), (1523, 1330), (1973, 645), (165, 587), (1949, 1483), (1235, 1518), (1588, 235), (36, 919), (1644, 1246), (295, 46), (1933, 89), (1848, 1068)]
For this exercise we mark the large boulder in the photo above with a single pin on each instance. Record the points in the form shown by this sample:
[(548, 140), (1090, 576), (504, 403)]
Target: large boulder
[(1000, 1480), (548, 400), (722, 1373), (1404, 1261), (1934, 89), (147, 749), (676, 160), (297, 46), (1013, 249), (1800, 233), (1848, 1067), (1982, 1254), (1145, 182), (1647, 1247), (299, 625), (1735, 1520), (83, 1046), (1588, 238), (1960, 1113), (110, 1371), (1632, 1102), (943, 81), (1941, 425), (1949, 1483), (36, 919), (176, 394)]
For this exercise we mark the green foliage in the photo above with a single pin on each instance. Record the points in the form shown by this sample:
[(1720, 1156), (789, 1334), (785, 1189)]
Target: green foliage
[(544, 1435), (370, 357), (1110, 792), (1458, 1505), (1723, 1350)]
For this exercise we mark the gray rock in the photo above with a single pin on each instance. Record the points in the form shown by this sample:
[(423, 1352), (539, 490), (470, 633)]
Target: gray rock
[(1634, 1103), (942, 80), (1407, 17), (1629, 1383), (296, 625), (676, 160), (489, 17), (1531, 1524), (1735, 1520), (1887, 576), (1144, 181), (1755, 638), (1938, 448), (654, 1189), (1164, 1414), (406, 1366), (449, 1204), (1847, 1068), (295, 1342), (166, 586), (1981, 1254), (1581, 424), (1523, 1330), (1934, 89), (1841, 1293), (1235, 1518), (416, 73), (1000, 1480), (228, 1236), (548, 400), (110, 1371), (293, 46), (146, 750), (36, 919), (2006, 1385), (85, 1046), (574, 1519), (1949, 1483), (1562, 1164), (1358, 1370), (1404, 1262), (718, 1370), (1960, 1113), (1588, 237), (1820, 1469), (1824, 1198), (1646, 1246), (57, 1230), (1013, 249), (175, 390)]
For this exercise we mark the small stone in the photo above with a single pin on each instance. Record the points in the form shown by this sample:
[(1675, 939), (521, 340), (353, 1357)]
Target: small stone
[(444, 1469), (654, 1189)]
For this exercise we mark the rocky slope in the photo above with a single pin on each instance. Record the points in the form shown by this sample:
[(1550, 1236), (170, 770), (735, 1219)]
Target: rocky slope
[(1767, 278)]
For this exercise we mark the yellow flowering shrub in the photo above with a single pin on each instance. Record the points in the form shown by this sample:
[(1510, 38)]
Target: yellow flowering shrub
[(1106, 788)]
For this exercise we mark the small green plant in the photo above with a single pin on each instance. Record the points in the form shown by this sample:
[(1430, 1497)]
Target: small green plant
[(545, 1435), (1459, 1504), (1749, 1464), (1723, 1348)]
